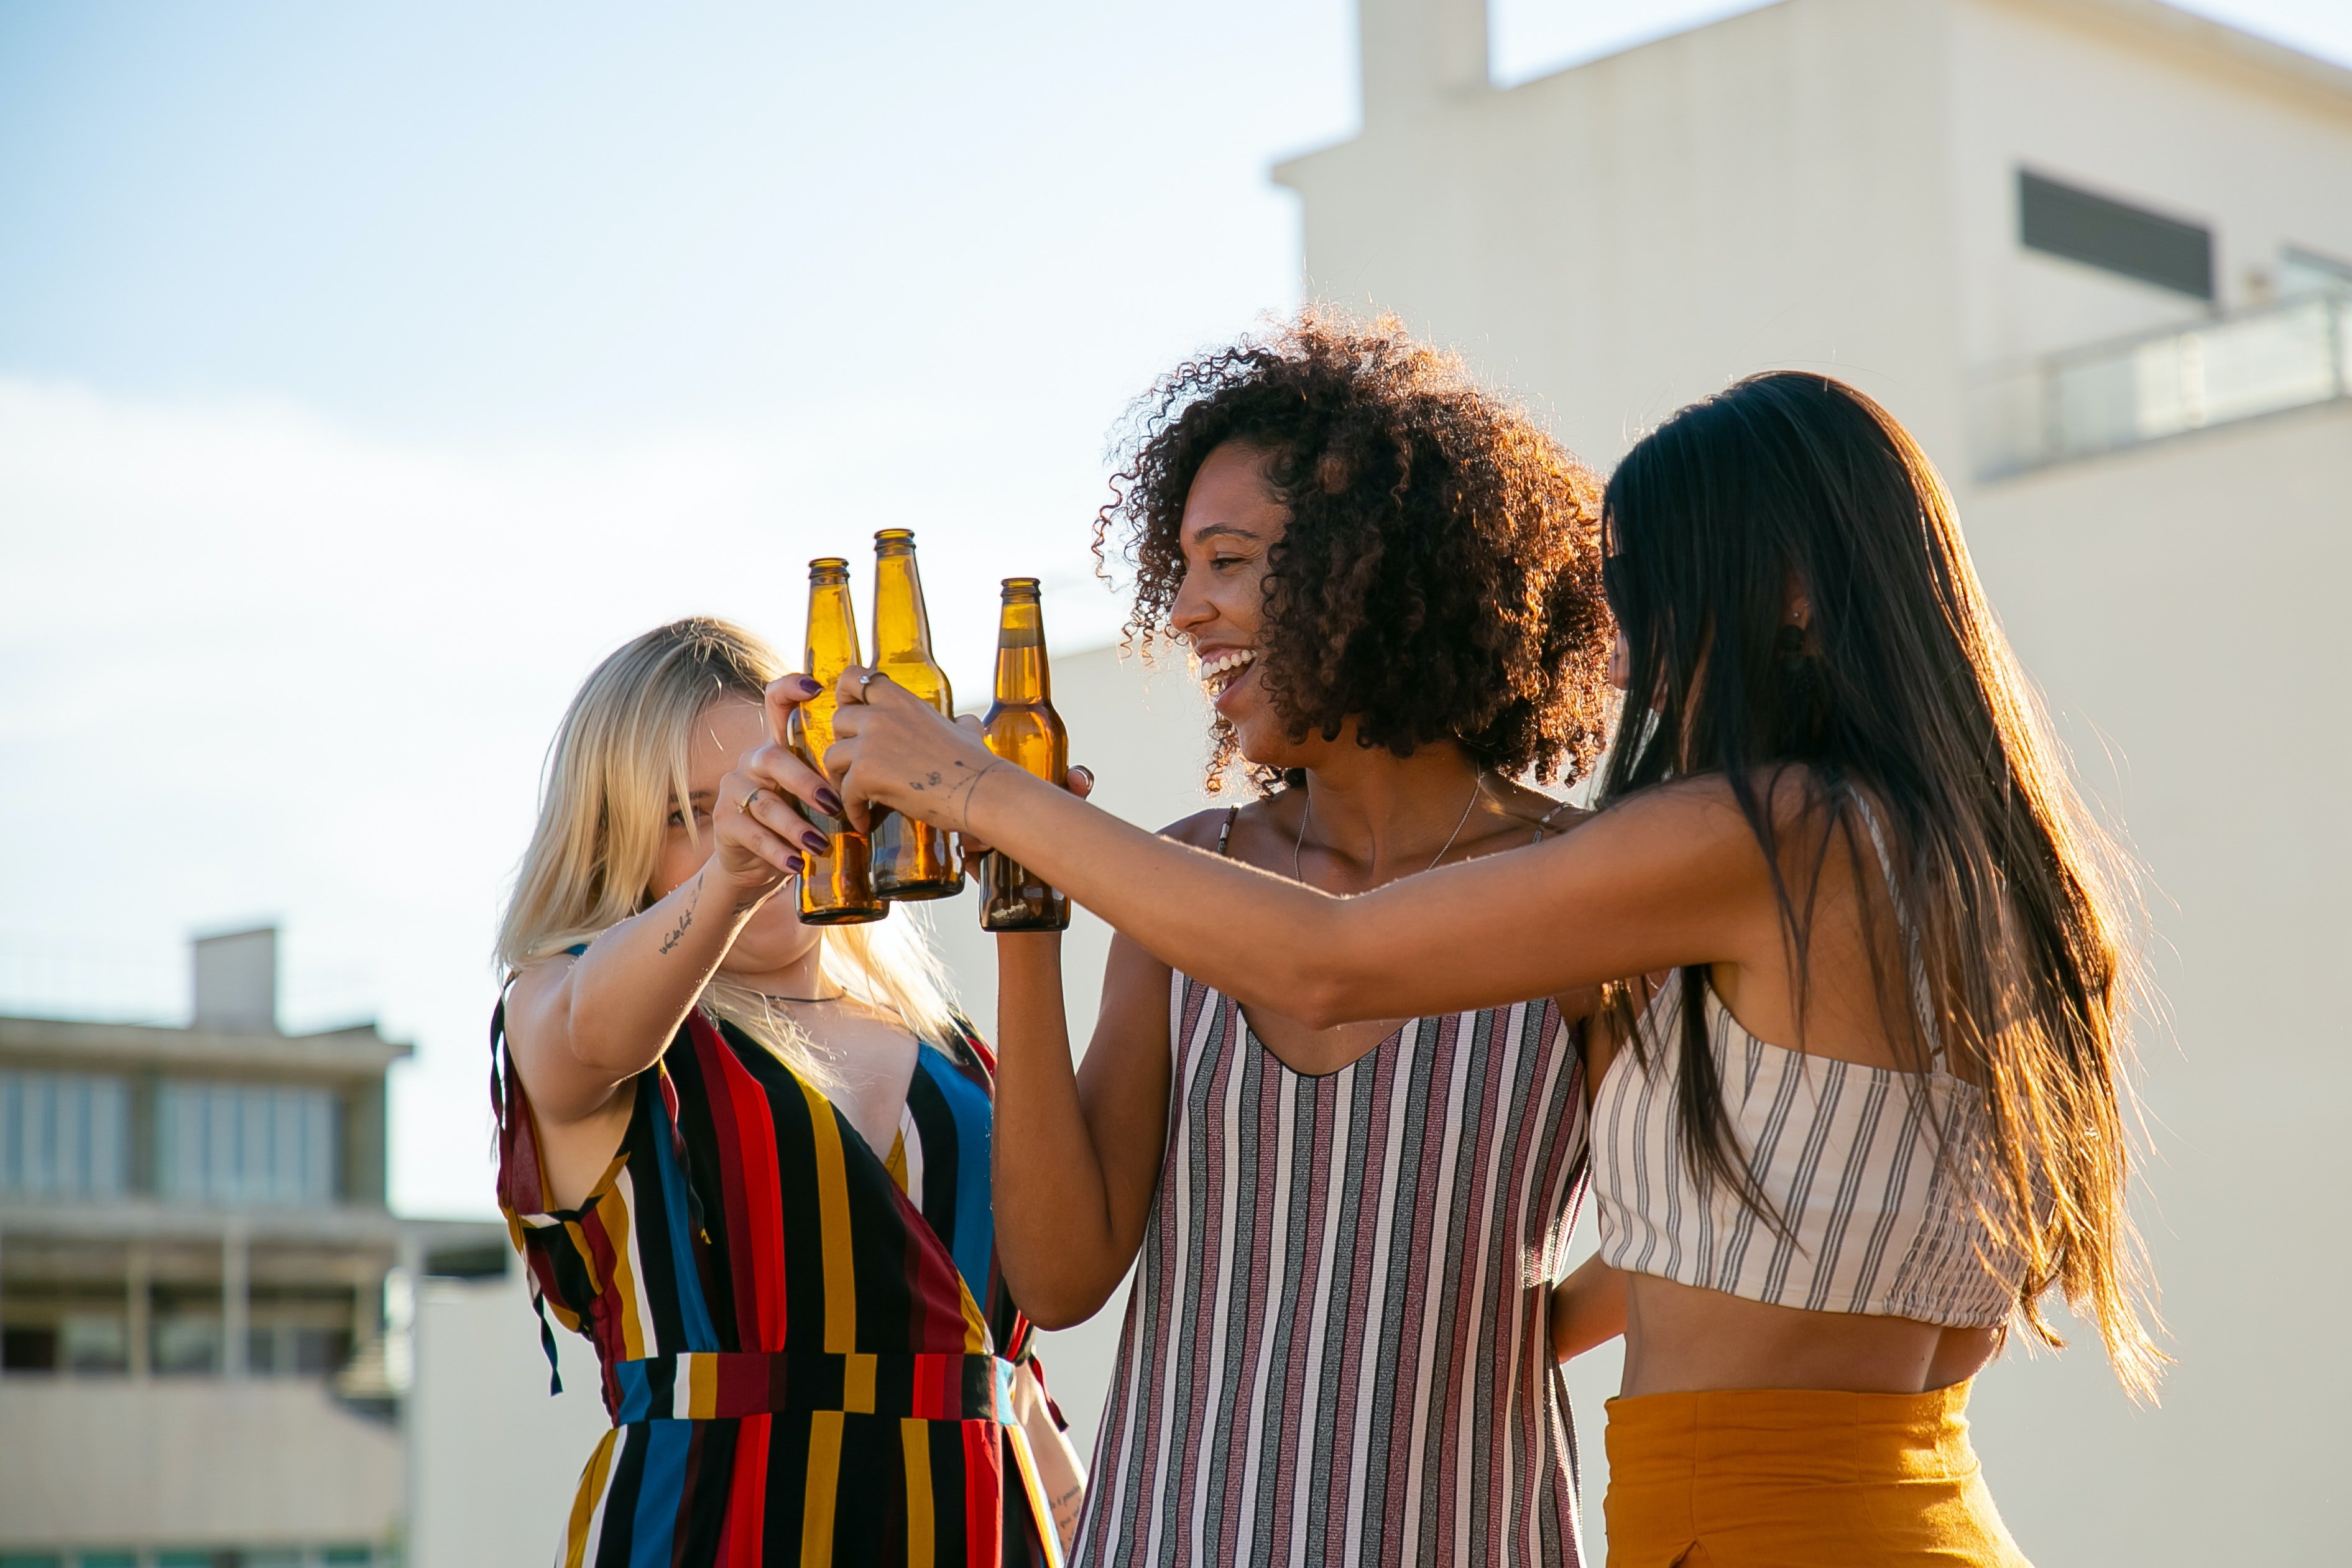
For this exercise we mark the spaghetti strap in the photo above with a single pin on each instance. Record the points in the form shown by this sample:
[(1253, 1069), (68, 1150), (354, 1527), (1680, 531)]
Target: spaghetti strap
[(1544, 822), (1226, 834)]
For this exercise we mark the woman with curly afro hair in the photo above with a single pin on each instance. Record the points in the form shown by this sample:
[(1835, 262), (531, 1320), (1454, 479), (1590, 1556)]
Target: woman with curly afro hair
[(1338, 1347)]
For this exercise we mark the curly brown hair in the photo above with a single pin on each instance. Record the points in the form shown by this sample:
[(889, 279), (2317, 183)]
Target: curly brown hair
[(1440, 575)]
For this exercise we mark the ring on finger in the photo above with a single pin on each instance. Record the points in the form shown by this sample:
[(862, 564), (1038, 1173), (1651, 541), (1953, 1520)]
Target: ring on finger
[(867, 679), (755, 795)]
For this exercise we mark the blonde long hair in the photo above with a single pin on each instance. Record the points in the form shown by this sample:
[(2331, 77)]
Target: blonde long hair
[(616, 769)]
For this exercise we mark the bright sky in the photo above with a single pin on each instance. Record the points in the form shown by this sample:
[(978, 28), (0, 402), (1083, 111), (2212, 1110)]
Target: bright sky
[(367, 373)]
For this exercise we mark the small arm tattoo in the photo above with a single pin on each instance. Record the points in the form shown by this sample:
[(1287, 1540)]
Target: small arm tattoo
[(959, 788), (685, 917)]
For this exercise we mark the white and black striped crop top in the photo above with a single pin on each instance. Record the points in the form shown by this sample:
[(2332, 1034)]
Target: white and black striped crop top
[(1847, 1154)]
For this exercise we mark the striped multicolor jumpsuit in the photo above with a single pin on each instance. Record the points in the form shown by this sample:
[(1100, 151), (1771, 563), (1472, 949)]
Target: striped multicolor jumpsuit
[(807, 1350)]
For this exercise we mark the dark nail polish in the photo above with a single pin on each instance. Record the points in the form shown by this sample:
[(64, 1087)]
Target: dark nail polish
[(814, 842), (828, 802), (809, 688), (795, 865)]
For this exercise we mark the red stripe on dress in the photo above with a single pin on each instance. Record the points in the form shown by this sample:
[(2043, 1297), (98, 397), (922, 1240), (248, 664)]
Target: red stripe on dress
[(747, 1521), (983, 1487), (755, 1252)]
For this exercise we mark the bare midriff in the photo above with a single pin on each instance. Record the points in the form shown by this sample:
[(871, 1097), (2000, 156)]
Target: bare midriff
[(1680, 1340)]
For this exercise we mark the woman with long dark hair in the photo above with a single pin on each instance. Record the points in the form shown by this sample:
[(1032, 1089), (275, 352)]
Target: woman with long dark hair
[(1878, 1110)]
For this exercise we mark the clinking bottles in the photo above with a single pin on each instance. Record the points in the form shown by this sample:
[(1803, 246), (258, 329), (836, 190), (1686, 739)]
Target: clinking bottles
[(836, 888), (911, 860), (1024, 729)]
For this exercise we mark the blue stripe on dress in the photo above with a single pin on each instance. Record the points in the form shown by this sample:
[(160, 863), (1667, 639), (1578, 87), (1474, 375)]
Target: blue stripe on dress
[(691, 1310), (636, 1401), (659, 1492), (974, 1212)]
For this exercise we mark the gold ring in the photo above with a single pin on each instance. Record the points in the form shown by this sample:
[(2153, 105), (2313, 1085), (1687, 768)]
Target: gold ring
[(755, 795)]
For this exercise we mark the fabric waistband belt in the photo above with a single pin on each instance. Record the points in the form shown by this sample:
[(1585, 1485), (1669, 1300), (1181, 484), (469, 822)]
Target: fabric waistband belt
[(705, 1385)]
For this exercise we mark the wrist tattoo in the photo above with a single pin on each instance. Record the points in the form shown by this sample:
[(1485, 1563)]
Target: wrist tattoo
[(685, 915), (958, 788)]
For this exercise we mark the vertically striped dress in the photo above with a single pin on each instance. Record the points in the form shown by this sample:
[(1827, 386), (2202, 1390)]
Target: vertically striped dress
[(1337, 1345), (806, 1348)]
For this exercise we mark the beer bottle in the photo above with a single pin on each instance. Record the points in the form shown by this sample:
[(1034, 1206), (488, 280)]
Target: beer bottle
[(1024, 729), (911, 859), (836, 888)]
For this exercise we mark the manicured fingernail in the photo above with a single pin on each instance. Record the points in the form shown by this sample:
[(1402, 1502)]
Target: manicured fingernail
[(805, 685), (814, 842), (828, 802), (794, 864)]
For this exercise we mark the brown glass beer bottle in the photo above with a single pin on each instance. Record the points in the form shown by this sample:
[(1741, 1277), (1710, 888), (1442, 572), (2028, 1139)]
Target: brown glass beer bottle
[(911, 859), (836, 888), (1024, 729)]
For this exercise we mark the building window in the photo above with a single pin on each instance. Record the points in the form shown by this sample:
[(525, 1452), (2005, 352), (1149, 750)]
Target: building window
[(63, 1135), (186, 1344), (246, 1144), (2061, 220)]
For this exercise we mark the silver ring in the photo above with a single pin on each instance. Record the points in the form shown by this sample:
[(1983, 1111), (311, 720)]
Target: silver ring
[(863, 681)]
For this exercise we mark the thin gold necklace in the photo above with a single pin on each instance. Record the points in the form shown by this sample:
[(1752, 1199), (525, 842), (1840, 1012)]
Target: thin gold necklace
[(1306, 815)]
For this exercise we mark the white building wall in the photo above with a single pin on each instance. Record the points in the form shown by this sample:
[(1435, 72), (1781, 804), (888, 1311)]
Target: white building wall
[(191, 1462), (1617, 239), (493, 1458), (2168, 112), (2181, 606)]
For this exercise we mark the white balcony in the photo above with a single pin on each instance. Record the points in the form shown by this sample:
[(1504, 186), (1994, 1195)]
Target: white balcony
[(162, 1465), (2113, 395)]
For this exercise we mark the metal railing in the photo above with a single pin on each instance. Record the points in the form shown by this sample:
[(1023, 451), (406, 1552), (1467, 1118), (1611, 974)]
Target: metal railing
[(2114, 395)]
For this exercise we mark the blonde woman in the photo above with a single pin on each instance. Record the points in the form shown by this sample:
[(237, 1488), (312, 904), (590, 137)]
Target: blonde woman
[(749, 1160)]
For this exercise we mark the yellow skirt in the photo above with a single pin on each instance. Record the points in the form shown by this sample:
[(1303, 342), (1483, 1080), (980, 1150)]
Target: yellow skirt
[(1808, 1479)]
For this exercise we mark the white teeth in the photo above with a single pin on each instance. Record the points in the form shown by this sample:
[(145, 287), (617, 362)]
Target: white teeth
[(1220, 672)]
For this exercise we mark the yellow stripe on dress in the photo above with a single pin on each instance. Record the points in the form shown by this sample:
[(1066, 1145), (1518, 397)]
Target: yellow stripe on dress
[(702, 1379), (922, 1531), (635, 1310), (585, 1503), (896, 1165), (823, 1481), (857, 1384), (833, 1224)]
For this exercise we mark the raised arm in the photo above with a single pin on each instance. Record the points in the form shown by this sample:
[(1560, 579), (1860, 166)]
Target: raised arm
[(1674, 879)]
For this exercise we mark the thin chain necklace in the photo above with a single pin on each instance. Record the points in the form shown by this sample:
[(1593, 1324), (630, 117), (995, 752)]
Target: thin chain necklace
[(805, 1001), (1306, 815)]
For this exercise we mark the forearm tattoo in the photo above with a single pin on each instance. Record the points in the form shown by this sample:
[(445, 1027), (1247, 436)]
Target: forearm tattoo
[(957, 783), (685, 915)]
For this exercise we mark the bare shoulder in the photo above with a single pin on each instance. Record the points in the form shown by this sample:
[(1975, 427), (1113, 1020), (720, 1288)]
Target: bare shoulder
[(1202, 829), (534, 990), (1532, 809)]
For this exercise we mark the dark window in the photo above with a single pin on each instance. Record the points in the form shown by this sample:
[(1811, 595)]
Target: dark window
[(2131, 240), (29, 1350)]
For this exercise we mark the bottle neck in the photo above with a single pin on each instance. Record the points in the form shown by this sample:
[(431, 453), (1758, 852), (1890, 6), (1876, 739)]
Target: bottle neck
[(902, 630), (831, 630), (1020, 671)]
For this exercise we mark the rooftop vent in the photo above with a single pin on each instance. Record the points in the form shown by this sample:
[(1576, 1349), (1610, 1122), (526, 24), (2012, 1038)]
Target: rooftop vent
[(237, 981)]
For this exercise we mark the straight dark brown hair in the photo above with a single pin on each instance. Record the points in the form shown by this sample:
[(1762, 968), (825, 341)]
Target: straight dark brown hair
[(2009, 945)]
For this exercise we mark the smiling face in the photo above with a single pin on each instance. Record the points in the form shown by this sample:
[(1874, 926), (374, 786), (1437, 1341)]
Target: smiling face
[(723, 733), (1232, 518)]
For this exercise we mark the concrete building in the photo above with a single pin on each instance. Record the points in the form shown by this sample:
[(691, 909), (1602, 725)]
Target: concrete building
[(2098, 255), (197, 1369)]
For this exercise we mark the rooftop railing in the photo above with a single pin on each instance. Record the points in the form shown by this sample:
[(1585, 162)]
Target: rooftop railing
[(2114, 396)]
